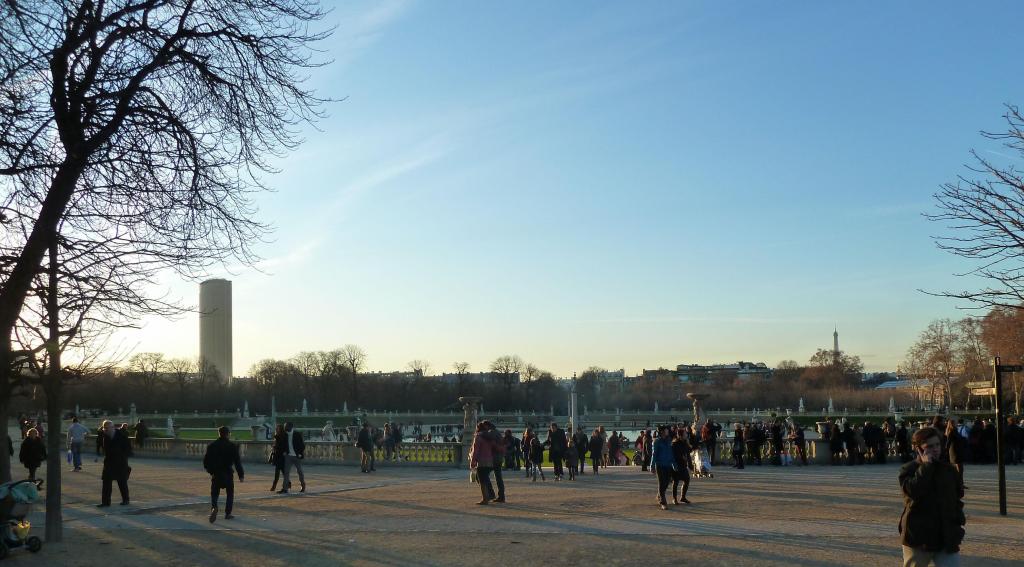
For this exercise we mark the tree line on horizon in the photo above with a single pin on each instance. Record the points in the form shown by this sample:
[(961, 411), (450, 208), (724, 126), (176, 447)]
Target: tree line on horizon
[(333, 379)]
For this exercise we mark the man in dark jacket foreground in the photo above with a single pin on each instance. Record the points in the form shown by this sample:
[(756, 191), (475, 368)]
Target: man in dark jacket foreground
[(933, 514), (222, 461)]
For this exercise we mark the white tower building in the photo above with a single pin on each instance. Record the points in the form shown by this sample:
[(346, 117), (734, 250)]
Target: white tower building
[(835, 347), (215, 326)]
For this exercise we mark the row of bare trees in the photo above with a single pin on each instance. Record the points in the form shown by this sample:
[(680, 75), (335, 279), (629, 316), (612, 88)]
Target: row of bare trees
[(950, 354)]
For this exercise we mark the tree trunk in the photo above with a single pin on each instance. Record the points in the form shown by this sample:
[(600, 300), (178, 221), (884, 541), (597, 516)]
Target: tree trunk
[(54, 457), (53, 386), (5, 454)]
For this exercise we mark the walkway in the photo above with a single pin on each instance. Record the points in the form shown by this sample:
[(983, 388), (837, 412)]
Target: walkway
[(759, 516)]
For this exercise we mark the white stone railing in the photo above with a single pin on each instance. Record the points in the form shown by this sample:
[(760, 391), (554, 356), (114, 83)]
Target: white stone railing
[(323, 452)]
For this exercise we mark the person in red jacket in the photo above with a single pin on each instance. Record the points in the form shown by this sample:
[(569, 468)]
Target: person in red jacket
[(481, 459)]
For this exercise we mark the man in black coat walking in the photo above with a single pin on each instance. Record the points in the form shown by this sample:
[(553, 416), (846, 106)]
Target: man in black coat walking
[(557, 444), (116, 448), (222, 461), (296, 452)]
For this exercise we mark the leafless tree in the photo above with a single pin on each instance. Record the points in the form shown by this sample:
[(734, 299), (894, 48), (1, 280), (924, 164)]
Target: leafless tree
[(183, 372), (419, 367), (1002, 331), (132, 135), (506, 369), (936, 357), (984, 211), (137, 129), (354, 358), (149, 368), (461, 372)]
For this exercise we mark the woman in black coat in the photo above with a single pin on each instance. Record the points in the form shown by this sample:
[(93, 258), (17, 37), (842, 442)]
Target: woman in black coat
[(738, 445), (33, 452), (277, 455), (595, 447), (116, 447)]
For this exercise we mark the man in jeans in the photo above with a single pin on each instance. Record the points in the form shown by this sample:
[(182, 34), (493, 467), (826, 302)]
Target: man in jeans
[(296, 451), (222, 462), (76, 437), (931, 527)]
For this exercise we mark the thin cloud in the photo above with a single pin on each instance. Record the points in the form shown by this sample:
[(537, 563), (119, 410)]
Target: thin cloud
[(892, 210), (753, 320), (298, 255), (360, 28), (385, 173)]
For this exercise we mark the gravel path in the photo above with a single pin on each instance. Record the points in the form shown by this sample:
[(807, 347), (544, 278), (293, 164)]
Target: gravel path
[(758, 516)]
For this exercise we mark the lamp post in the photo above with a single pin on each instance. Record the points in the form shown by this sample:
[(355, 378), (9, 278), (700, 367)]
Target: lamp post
[(572, 405)]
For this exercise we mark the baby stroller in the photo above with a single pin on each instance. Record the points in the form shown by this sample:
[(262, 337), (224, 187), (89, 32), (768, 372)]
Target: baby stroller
[(701, 463), (16, 500)]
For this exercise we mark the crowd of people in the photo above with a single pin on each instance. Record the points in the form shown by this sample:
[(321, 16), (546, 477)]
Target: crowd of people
[(670, 457), (673, 453)]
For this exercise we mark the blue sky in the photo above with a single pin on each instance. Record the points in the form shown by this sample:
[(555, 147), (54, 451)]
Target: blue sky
[(629, 185)]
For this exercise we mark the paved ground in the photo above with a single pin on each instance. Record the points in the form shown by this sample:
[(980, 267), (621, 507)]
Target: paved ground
[(759, 516)]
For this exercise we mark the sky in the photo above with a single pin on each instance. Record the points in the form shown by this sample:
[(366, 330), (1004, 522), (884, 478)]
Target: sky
[(627, 185)]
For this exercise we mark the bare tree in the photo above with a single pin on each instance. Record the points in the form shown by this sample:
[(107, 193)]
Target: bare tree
[(208, 377), (149, 368), (826, 370), (1002, 331), (530, 372), (419, 367), (136, 131), (310, 366), (354, 358), (506, 369), (183, 372), (936, 356), (461, 372), (975, 361), (984, 210)]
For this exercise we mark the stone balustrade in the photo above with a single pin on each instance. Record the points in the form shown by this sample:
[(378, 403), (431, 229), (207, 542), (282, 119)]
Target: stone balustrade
[(322, 452), (435, 454)]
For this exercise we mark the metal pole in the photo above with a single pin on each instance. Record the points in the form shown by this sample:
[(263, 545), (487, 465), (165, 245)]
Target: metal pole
[(1000, 452)]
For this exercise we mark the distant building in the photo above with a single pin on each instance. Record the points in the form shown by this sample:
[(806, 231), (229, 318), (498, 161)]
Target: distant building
[(743, 371), (215, 327), (399, 374), (479, 377)]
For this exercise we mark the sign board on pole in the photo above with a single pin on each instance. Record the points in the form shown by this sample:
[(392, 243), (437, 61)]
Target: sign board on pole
[(982, 384), (1010, 368), (983, 391)]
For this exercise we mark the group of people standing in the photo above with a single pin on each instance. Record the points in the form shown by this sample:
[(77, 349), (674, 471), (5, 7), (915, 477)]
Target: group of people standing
[(669, 457), (287, 452), (750, 439), (855, 444)]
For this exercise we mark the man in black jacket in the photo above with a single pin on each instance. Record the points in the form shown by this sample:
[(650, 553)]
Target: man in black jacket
[(931, 527), (116, 448), (557, 444), (222, 461), (365, 443), (294, 456), (582, 445)]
